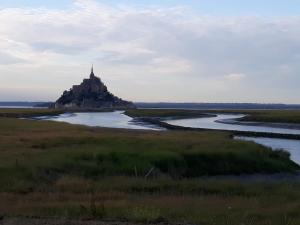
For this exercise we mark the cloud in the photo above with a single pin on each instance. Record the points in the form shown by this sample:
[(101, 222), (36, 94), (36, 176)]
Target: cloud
[(170, 48), (8, 59), (235, 76)]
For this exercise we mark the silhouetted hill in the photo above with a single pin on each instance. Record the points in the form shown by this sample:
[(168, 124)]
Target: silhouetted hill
[(91, 94)]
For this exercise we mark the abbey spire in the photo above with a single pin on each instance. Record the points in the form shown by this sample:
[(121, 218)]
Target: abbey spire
[(92, 72)]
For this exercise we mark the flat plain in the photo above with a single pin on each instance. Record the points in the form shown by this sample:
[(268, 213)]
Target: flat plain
[(57, 170)]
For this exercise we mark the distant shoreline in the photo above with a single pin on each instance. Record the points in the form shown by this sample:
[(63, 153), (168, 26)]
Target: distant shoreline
[(168, 105)]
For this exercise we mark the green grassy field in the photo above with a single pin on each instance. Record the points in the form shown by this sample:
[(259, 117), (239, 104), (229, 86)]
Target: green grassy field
[(30, 112), (276, 116), (40, 145), (50, 169), (191, 201)]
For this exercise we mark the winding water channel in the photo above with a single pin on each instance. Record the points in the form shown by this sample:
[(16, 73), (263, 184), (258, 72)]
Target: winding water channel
[(227, 122), (220, 122), (101, 119), (292, 146)]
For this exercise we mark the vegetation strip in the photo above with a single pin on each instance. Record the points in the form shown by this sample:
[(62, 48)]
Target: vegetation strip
[(27, 113), (271, 116), (156, 117)]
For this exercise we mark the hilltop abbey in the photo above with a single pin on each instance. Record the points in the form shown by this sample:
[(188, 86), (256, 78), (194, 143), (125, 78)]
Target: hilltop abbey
[(91, 94)]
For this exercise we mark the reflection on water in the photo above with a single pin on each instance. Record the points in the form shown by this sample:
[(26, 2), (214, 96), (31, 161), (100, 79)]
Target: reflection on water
[(102, 119), (292, 146), (211, 123)]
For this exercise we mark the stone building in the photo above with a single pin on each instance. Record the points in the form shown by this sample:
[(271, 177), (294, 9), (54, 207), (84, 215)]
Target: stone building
[(91, 94)]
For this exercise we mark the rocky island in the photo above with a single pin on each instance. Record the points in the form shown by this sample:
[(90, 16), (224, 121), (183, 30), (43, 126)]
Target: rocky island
[(91, 94)]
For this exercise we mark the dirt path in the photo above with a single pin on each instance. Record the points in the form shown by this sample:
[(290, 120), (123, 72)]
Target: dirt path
[(38, 221)]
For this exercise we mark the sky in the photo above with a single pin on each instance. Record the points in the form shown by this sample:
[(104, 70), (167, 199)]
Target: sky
[(152, 51)]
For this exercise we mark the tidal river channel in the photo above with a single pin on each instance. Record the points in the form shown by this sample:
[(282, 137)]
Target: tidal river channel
[(228, 122), (221, 122), (101, 119)]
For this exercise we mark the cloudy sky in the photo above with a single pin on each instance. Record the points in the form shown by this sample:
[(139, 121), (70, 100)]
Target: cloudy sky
[(176, 51)]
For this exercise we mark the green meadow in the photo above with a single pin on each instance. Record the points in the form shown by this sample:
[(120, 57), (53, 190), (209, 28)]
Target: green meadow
[(30, 112), (57, 170), (276, 116)]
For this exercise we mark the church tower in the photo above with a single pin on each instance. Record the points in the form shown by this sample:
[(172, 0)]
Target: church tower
[(92, 75)]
